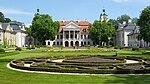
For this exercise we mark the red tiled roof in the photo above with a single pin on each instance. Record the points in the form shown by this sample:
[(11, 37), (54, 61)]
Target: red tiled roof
[(82, 24)]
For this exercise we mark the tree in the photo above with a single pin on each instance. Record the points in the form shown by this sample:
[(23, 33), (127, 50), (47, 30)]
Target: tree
[(134, 20), (123, 18), (43, 28), (114, 23), (1, 17), (101, 32), (7, 20), (144, 23)]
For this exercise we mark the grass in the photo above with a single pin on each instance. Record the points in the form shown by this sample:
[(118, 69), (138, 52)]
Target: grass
[(8, 76)]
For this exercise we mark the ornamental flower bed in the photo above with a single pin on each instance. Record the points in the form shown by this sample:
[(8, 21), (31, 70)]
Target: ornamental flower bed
[(90, 64)]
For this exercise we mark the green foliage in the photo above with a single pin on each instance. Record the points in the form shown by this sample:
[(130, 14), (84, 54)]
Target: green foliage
[(116, 47), (119, 47), (2, 50), (114, 23), (134, 20), (30, 47), (135, 49), (101, 31), (4, 42), (144, 23), (7, 20), (1, 17), (44, 28), (18, 49), (123, 18)]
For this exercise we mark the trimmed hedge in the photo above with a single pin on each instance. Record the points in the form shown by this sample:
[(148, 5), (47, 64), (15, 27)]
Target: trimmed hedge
[(2, 50), (43, 64), (18, 49)]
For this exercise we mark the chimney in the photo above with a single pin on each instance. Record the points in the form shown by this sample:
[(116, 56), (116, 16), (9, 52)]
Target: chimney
[(124, 22), (63, 20), (129, 21), (86, 20), (78, 20)]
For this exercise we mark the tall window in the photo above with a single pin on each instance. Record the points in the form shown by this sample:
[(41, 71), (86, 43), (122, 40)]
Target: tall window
[(85, 43), (61, 36), (57, 36), (53, 43), (61, 43), (75, 35), (88, 36), (48, 43), (88, 43), (81, 36), (84, 36), (57, 43), (71, 36), (67, 36)]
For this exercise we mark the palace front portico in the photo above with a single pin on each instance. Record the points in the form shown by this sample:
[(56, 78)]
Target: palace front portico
[(72, 33)]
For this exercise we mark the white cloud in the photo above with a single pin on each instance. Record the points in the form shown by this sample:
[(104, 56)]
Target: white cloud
[(120, 1), (14, 11)]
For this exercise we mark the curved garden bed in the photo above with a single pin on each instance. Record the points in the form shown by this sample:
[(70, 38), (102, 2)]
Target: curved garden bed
[(91, 64)]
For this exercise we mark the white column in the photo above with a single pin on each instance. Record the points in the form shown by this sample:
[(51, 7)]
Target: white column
[(69, 35), (69, 43), (79, 43), (74, 43), (63, 39), (73, 35)]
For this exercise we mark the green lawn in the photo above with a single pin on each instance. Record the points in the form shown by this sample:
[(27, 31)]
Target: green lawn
[(8, 76)]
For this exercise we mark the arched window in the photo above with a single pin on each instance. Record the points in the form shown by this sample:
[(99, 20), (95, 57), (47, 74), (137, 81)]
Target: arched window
[(48, 43)]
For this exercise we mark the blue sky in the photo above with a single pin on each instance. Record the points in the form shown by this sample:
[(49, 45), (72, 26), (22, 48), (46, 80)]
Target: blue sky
[(24, 10)]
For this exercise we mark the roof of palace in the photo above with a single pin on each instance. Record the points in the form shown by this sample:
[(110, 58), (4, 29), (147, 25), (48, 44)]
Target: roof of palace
[(81, 24), (127, 26), (14, 25)]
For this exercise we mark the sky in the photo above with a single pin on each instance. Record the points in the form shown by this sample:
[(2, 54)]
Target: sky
[(24, 10)]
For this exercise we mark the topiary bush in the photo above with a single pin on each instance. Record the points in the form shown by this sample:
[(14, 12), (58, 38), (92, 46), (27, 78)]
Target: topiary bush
[(32, 47), (135, 48), (18, 49), (116, 47), (2, 50)]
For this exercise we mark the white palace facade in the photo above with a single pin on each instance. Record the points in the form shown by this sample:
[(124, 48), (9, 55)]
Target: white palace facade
[(72, 33)]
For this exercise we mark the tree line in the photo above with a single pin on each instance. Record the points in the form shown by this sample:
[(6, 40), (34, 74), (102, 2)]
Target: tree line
[(44, 28)]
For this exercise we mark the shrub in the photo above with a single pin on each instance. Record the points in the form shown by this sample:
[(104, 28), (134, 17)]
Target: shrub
[(18, 48), (121, 47), (2, 50), (116, 47), (38, 46), (135, 48), (28, 47), (32, 47)]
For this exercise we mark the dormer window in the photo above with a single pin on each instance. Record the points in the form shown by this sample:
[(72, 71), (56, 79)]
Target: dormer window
[(84, 29)]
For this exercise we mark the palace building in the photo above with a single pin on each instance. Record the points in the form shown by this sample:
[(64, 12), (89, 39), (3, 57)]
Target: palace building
[(72, 33)]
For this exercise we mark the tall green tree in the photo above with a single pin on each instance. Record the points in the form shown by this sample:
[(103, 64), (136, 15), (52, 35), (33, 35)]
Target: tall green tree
[(43, 27), (1, 17), (114, 23), (7, 20), (101, 32), (144, 23), (134, 20), (122, 18)]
